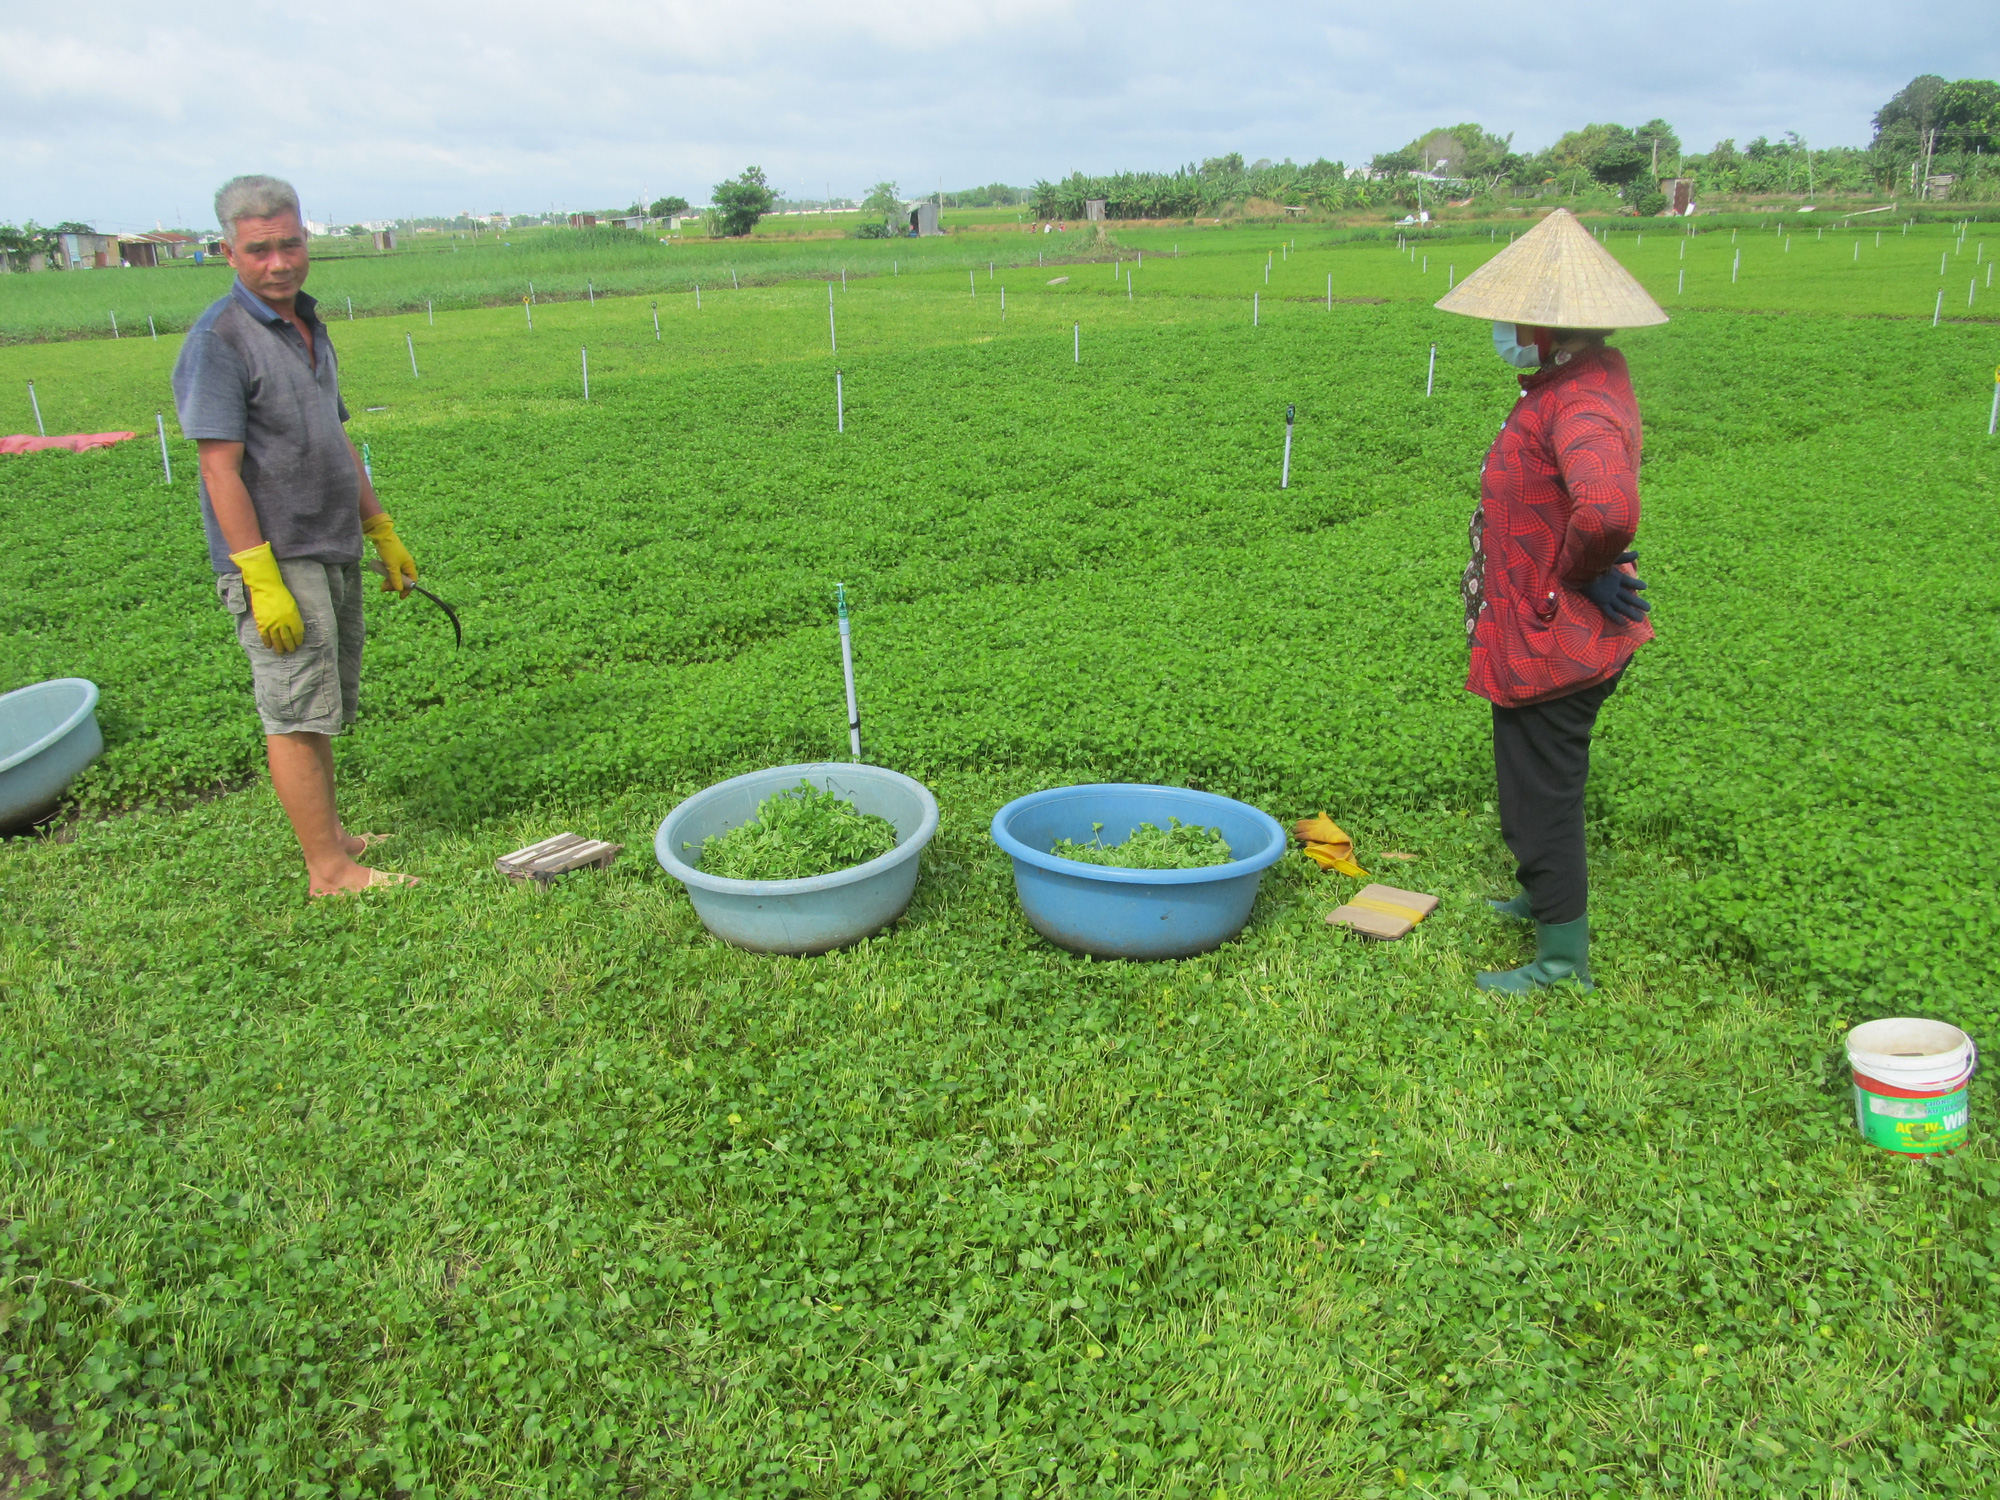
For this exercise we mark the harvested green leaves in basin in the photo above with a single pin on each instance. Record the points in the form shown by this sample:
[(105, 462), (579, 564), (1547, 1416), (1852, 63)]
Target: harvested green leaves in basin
[(797, 834), (1180, 846)]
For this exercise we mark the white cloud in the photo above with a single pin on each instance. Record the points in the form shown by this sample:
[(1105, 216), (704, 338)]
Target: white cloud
[(123, 112)]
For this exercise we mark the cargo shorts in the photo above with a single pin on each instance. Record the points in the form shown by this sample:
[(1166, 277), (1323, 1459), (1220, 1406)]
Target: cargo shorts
[(317, 688)]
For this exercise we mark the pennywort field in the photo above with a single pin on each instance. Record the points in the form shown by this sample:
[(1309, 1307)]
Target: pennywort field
[(482, 1189)]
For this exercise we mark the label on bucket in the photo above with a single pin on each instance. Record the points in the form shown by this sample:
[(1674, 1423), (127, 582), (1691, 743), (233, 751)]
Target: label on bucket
[(1913, 1126)]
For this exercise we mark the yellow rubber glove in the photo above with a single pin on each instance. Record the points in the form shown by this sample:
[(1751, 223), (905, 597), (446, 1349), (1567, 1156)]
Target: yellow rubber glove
[(395, 556), (271, 603), (1326, 845)]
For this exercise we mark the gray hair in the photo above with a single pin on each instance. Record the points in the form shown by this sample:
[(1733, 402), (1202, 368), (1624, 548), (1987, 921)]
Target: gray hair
[(252, 198)]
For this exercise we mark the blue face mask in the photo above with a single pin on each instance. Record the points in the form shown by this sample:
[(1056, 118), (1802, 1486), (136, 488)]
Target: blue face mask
[(1520, 356)]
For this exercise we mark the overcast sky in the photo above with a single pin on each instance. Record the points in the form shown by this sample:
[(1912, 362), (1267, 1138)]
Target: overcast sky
[(126, 112)]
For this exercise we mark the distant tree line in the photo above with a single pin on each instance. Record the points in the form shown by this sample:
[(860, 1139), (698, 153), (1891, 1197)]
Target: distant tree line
[(1930, 130)]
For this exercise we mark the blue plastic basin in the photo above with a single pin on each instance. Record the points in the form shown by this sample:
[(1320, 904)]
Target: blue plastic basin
[(1139, 914), (48, 734), (800, 916)]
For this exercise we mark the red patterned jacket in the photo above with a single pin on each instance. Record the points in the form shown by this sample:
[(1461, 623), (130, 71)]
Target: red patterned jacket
[(1558, 500)]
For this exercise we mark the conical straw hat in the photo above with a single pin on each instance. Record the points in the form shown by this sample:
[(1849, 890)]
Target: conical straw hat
[(1555, 276)]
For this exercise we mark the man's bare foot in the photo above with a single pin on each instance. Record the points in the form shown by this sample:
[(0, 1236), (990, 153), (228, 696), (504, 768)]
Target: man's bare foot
[(358, 844), (357, 878)]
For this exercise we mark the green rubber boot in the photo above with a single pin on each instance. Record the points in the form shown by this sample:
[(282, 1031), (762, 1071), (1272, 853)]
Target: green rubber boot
[(1515, 907), (1562, 956)]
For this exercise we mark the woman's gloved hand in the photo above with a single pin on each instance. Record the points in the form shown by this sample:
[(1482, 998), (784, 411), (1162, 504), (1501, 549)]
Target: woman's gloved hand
[(402, 568), (1616, 592), (271, 603)]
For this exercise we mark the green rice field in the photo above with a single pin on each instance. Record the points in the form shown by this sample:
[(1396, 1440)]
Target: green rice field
[(482, 1190)]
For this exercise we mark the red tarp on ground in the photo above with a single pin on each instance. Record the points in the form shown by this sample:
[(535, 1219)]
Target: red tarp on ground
[(74, 442)]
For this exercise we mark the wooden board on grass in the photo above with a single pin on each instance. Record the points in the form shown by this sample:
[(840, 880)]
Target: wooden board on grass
[(1383, 912), (557, 856)]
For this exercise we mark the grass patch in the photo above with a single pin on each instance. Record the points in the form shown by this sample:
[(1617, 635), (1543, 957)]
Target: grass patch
[(474, 1188)]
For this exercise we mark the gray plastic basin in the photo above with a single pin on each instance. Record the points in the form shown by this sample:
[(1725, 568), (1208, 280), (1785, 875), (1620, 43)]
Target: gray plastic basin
[(48, 734), (800, 916)]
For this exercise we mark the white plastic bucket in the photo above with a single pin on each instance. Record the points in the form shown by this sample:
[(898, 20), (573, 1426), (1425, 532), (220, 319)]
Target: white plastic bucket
[(1911, 1084)]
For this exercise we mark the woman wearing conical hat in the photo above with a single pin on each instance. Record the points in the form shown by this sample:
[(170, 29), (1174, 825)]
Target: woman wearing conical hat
[(1552, 605)]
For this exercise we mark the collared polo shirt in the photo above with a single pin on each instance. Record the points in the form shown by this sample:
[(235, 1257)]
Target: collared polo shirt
[(245, 376)]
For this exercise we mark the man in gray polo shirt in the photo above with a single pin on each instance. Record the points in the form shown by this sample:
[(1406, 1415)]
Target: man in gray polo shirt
[(286, 503)]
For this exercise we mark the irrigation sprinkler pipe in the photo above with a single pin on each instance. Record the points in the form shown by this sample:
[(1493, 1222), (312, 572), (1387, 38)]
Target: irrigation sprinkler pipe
[(656, 322), (1285, 478), (166, 464), (586, 372), (1430, 375), (1993, 420), (839, 404), (39, 428), (151, 329), (412, 345), (847, 671)]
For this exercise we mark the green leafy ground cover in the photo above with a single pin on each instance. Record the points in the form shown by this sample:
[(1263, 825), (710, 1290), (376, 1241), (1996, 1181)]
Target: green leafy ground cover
[(797, 834), (481, 1188), (558, 264), (1897, 277), (1179, 846)]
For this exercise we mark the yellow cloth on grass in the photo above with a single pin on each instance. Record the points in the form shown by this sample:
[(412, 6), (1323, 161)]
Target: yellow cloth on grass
[(1326, 845)]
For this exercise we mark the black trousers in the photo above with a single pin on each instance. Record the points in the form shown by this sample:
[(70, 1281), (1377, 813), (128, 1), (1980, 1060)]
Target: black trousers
[(1541, 758)]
